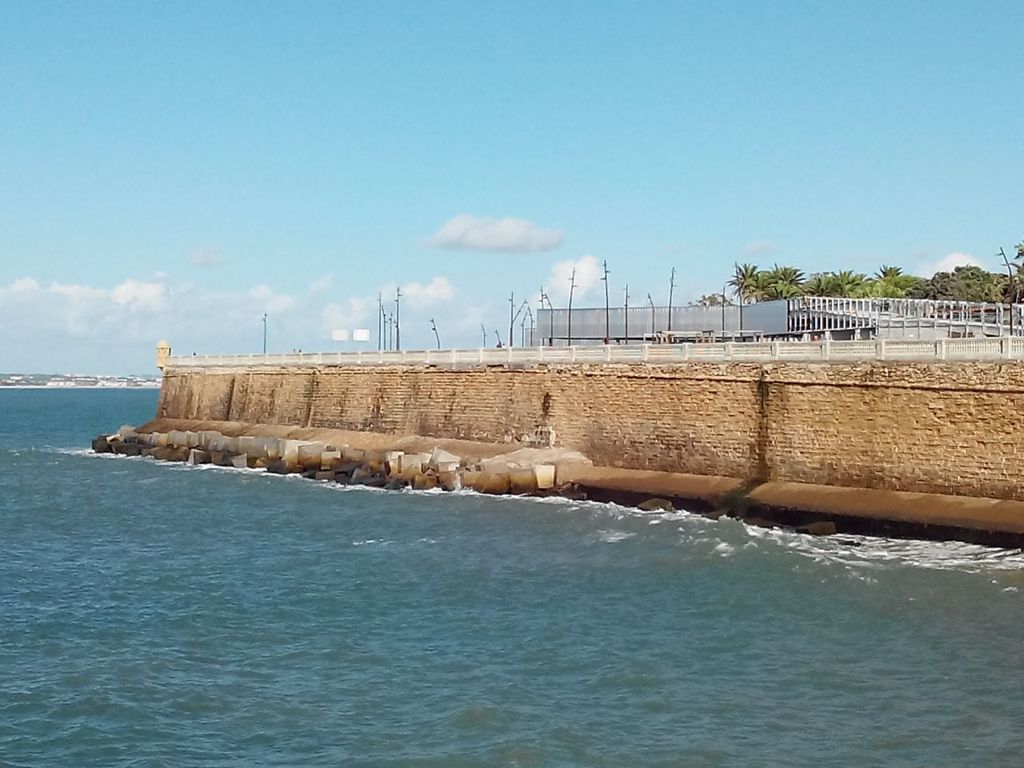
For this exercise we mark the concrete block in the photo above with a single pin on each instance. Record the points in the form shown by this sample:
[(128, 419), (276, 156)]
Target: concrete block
[(100, 444), (522, 481), (450, 481), (355, 455), (267, 447), (247, 444), (192, 439), (198, 456), (486, 482), (310, 455), (442, 460), (176, 438), (240, 461), (391, 455), (161, 439), (330, 459), (414, 461), (324, 474), (544, 476), (423, 482)]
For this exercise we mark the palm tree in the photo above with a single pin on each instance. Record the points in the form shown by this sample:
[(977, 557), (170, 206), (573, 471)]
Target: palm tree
[(744, 282), (849, 284), (819, 284), (885, 272), (783, 282)]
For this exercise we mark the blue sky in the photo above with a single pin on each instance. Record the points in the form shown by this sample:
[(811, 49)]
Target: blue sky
[(177, 169)]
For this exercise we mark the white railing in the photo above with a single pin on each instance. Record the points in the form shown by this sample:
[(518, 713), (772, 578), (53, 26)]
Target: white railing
[(1004, 348)]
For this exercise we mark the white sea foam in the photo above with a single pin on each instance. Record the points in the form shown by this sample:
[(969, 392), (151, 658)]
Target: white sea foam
[(615, 536), (849, 551)]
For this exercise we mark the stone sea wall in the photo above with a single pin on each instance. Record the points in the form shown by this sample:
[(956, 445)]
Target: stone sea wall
[(946, 428)]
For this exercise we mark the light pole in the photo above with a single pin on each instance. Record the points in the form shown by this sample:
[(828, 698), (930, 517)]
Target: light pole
[(572, 287), (651, 302), (433, 327), (551, 317), (264, 333), (625, 316), (398, 325), (380, 321), (671, 288), (607, 310)]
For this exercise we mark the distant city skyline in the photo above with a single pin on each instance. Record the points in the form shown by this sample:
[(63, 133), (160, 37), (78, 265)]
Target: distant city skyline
[(178, 171)]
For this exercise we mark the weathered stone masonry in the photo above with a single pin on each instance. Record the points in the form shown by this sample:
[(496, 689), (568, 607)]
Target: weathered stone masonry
[(953, 428)]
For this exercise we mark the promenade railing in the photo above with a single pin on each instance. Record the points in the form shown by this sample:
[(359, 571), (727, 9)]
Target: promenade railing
[(1003, 348)]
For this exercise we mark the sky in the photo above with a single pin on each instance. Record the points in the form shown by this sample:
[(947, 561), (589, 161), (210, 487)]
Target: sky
[(176, 170)]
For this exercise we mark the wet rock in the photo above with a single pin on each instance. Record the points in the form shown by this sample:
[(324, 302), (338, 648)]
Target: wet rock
[(656, 505), (522, 481), (544, 476), (278, 467), (486, 482), (819, 528), (128, 449), (198, 456), (449, 481), (395, 484), (100, 444), (424, 482), (241, 461), (324, 474)]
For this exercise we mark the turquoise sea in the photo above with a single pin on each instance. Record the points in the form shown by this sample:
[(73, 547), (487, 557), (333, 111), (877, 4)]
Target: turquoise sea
[(159, 615)]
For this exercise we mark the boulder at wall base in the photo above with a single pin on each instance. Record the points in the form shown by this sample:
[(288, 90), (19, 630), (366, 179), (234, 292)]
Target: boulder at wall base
[(486, 482), (423, 482), (240, 461), (819, 528), (450, 481), (128, 449), (198, 456), (100, 444), (412, 462), (310, 455), (279, 467), (330, 459), (220, 458), (521, 481), (396, 484), (656, 505), (324, 474), (544, 476)]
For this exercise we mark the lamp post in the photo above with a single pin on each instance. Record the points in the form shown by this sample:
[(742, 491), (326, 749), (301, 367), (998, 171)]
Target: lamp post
[(572, 287), (433, 327), (651, 302), (397, 323), (607, 309), (671, 288), (625, 316), (264, 333)]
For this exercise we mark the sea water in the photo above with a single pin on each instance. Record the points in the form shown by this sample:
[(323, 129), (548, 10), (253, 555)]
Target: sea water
[(155, 614)]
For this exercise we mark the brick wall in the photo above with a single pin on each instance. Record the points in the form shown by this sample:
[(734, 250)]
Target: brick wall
[(938, 428)]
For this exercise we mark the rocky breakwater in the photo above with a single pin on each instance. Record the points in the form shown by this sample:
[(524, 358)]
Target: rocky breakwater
[(519, 472)]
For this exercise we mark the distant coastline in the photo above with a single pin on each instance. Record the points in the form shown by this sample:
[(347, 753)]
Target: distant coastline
[(63, 381)]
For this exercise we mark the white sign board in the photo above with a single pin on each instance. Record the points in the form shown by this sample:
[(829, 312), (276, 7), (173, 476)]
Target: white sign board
[(361, 334), (339, 334)]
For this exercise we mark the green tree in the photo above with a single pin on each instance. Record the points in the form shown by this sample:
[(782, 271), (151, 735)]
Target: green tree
[(965, 283), (781, 282), (744, 283)]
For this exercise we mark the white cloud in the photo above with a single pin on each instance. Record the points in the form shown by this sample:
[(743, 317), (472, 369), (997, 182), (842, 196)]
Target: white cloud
[(758, 248), (355, 312), (437, 291), (321, 284), (948, 263), (139, 295), (23, 285), (271, 301), (206, 257), (486, 233), (588, 276)]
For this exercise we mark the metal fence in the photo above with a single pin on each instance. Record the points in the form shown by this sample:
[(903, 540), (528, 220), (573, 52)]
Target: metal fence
[(1004, 348)]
